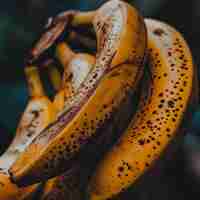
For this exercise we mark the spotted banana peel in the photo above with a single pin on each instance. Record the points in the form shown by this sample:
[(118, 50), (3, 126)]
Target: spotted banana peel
[(157, 121), (63, 185), (175, 54), (76, 67), (121, 39), (38, 114)]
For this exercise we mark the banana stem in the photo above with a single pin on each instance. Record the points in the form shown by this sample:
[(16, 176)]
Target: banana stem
[(35, 86), (64, 54)]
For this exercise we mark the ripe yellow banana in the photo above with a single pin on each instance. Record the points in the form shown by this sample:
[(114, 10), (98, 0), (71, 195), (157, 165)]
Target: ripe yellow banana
[(121, 38), (157, 121), (37, 115)]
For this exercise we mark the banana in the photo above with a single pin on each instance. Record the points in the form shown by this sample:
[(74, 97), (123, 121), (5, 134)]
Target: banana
[(121, 38), (38, 113), (157, 121), (76, 67)]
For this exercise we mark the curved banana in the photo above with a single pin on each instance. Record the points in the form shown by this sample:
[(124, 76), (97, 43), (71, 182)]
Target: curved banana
[(37, 115), (76, 68), (79, 66), (157, 121), (121, 37)]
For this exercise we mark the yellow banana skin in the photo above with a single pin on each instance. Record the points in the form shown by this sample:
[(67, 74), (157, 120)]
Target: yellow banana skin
[(157, 121), (55, 149), (38, 113)]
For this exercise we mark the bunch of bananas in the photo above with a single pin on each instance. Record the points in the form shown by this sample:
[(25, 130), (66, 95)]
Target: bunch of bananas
[(90, 139)]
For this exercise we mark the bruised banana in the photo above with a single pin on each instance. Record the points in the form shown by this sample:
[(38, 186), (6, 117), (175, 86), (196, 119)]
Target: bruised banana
[(76, 68), (157, 121), (121, 38), (37, 115), (60, 187)]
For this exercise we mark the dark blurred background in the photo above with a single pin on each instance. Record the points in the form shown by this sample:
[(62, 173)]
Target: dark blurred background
[(22, 21)]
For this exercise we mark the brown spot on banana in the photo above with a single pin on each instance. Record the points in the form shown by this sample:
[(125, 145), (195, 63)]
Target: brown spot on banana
[(156, 122), (78, 68), (84, 114)]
